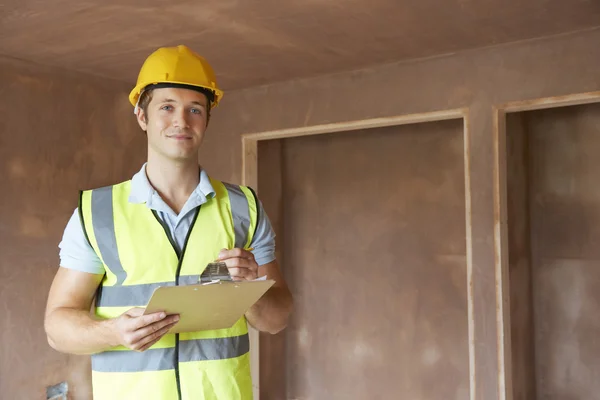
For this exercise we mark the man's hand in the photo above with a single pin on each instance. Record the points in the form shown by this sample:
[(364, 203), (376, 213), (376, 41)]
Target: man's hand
[(71, 329), (139, 332), (240, 263)]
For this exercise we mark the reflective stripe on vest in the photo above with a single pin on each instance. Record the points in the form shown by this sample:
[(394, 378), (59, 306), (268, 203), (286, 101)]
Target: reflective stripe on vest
[(241, 220), (104, 230), (162, 359), (128, 238)]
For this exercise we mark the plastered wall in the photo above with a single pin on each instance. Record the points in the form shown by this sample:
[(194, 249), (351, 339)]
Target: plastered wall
[(478, 81), (564, 145), (59, 133), (62, 132), (377, 267)]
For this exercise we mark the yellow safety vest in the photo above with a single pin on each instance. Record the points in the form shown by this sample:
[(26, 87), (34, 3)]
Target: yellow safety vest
[(139, 256)]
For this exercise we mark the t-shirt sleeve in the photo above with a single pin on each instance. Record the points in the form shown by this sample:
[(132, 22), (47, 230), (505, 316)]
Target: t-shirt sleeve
[(75, 251), (263, 241)]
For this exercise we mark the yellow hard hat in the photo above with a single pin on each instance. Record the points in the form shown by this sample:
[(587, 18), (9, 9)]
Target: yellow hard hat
[(178, 66)]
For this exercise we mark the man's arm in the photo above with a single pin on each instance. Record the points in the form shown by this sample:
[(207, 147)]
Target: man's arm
[(71, 328), (271, 312)]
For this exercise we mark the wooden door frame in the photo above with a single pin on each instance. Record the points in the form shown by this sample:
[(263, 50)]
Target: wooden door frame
[(250, 175), (505, 390), (501, 268)]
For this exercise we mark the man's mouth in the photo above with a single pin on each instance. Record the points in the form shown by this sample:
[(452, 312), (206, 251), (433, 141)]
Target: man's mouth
[(180, 137)]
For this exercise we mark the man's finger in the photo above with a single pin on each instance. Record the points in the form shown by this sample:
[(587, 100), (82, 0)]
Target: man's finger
[(241, 273), (149, 340), (235, 253), (155, 327), (145, 320), (152, 343), (241, 268), (135, 312), (237, 263)]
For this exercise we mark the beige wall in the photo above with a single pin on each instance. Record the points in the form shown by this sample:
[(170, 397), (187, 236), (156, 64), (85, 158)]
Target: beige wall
[(377, 266), (564, 153), (59, 133), (476, 80), (80, 127), (519, 240), (554, 211)]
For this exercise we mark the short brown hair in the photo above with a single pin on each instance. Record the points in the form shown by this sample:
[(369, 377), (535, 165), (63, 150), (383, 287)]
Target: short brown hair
[(145, 99)]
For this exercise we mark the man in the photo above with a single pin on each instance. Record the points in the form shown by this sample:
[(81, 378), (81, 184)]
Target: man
[(162, 228)]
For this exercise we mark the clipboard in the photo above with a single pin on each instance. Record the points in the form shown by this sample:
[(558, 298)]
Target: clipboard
[(207, 306)]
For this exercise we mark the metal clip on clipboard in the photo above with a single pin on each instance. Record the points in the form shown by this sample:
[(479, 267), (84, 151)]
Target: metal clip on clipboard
[(215, 272)]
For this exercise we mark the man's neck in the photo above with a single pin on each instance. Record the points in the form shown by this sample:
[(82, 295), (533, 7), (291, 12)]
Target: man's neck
[(175, 182)]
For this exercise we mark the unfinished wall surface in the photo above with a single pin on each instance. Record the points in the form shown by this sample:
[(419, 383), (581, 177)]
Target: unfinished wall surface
[(59, 133), (519, 242), (565, 236), (476, 81), (84, 113), (554, 211), (272, 349), (377, 266)]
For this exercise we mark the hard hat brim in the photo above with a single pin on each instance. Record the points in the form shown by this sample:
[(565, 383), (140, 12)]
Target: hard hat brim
[(134, 95)]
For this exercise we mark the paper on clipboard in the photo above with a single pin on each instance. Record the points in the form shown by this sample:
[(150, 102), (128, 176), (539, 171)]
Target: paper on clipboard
[(216, 305)]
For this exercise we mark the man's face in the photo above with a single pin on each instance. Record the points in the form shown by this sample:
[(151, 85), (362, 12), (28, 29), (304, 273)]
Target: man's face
[(175, 123)]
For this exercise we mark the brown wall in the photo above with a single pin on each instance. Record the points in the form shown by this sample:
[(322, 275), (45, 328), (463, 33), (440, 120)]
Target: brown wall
[(477, 80), (92, 131), (273, 353), (377, 267), (564, 153), (554, 211), (59, 133), (519, 242)]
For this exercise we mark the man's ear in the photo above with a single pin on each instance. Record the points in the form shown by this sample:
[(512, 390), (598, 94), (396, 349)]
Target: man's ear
[(141, 119)]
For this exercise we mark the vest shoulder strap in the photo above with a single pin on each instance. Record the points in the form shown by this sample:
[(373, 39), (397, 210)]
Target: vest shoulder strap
[(97, 205), (244, 210)]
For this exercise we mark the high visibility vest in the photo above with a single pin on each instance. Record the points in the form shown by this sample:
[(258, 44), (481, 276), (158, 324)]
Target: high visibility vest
[(139, 256)]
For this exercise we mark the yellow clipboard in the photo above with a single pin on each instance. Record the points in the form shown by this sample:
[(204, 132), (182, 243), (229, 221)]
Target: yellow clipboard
[(207, 306)]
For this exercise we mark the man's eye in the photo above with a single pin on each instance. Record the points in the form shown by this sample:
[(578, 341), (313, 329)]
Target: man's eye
[(166, 108), (196, 111)]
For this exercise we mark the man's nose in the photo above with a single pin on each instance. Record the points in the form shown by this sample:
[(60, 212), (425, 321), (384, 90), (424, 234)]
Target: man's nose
[(180, 119)]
